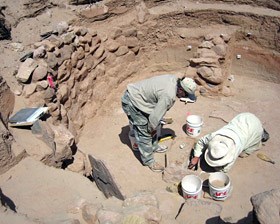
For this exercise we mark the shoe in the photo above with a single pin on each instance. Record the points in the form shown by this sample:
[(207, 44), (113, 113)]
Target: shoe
[(161, 149), (156, 167), (265, 136)]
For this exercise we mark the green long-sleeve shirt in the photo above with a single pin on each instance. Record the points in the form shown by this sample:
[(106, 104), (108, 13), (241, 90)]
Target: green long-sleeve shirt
[(154, 96)]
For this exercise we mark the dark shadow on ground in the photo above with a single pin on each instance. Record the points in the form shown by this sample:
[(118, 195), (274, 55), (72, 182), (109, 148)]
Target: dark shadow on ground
[(125, 139), (124, 136), (7, 202), (246, 220)]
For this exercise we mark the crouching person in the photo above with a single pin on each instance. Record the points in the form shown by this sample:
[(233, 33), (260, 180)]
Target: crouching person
[(240, 137)]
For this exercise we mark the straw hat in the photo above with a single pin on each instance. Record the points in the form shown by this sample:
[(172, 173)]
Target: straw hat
[(220, 151)]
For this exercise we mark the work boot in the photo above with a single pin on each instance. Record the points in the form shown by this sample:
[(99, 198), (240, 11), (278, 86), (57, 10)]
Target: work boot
[(156, 167), (265, 136), (161, 148)]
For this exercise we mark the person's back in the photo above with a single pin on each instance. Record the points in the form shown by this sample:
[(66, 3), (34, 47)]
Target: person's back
[(146, 94)]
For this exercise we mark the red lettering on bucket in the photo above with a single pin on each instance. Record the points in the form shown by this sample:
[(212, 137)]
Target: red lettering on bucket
[(191, 196), (221, 194), (189, 129)]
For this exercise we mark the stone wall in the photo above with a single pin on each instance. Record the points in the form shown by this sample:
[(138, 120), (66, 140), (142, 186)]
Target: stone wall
[(73, 69)]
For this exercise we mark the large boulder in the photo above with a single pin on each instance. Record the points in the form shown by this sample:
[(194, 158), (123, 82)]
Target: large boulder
[(266, 206)]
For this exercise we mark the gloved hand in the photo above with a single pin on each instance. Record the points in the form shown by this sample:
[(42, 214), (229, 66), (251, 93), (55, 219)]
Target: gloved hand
[(194, 161)]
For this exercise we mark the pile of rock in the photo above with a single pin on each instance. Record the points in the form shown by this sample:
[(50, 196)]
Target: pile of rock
[(66, 71), (210, 64)]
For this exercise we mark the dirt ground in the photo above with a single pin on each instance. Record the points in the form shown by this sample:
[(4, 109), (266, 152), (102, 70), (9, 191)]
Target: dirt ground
[(105, 136)]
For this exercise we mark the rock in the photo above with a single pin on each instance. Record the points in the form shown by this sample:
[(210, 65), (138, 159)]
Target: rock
[(40, 52), (85, 39), (48, 45), (206, 44), (68, 38), (134, 219), (25, 70), (7, 158), (62, 27), (80, 64), (40, 72), (29, 89), (64, 142), (150, 213), (44, 132), (130, 32), (121, 51), (80, 31), (212, 62), (99, 52), (135, 50), (112, 45), (6, 95), (65, 53), (206, 53), (266, 206), (201, 212), (51, 60), (89, 213), (116, 32), (64, 71), (225, 37), (209, 37), (62, 93), (218, 40), (95, 12), (105, 216), (49, 94), (211, 75), (142, 12), (56, 41), (88, 62), (142, 198), (95, 41), (220, 50), (78, 164), (131, 42)]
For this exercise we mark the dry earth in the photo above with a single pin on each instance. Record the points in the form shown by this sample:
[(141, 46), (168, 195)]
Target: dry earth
[(255, 84)]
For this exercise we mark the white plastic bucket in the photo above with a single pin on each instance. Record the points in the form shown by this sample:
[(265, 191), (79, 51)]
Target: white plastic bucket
[(194, 124), (191, 186), (219, 186), (132, 139)]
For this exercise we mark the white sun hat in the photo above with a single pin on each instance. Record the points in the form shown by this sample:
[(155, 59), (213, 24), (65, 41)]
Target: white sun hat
[(189, 85), (220, 151)]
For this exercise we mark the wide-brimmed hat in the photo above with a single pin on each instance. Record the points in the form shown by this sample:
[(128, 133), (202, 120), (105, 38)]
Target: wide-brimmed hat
[(189, 86), (220, 151)]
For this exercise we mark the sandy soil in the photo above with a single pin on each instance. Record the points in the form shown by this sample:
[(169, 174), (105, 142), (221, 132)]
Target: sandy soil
[(106, 135)]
